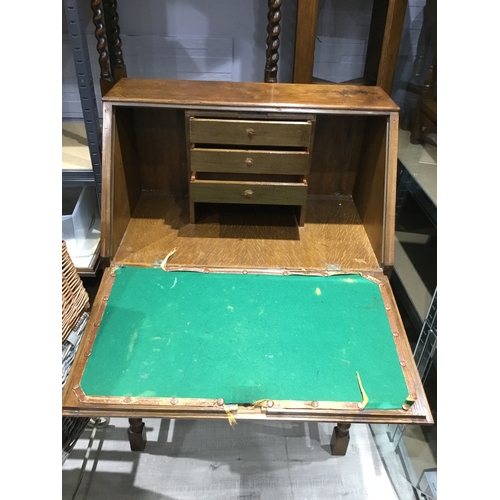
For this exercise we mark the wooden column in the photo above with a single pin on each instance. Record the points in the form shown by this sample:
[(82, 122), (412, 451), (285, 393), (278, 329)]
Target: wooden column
[(384, 40), (305, 40), (392, 41), (382, 51), (106, 80), (273, 41), (118, 68), (107, 33)]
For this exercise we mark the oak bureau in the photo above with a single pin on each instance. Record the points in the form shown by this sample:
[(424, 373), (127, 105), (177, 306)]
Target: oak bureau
[(249, 232)]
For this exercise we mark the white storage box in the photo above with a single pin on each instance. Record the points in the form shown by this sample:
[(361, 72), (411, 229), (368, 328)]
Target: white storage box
[(79, 209)]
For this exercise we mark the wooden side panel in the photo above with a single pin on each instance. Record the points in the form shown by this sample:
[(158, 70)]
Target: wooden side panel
[(107, 173), (391, 186), (161, 145), (369, 192), (335, 155), (126, 183)]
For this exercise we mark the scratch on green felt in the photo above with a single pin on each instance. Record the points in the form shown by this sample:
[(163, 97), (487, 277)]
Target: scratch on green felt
[(131, 345)]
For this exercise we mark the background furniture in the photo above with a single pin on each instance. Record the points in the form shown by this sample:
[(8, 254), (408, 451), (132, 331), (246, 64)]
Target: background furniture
[(425, 118), (422, 79), (383, 42), (382, 51)]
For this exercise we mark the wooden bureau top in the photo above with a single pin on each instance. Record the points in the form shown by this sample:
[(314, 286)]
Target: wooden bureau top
[(274, 97)]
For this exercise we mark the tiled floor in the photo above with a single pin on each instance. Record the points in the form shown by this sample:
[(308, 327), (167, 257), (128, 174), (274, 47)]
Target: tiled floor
[(207, 459)]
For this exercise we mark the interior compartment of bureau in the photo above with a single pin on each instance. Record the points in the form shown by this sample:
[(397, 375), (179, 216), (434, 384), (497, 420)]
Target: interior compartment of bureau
[(345, 216)]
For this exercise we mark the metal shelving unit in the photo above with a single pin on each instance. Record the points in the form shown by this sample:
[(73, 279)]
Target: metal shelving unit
[(416, 203), (87, 96), (426, 351), (87, 263), (405, 278)]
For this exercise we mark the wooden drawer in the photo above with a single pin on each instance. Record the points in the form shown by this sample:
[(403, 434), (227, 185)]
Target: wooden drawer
[(295, 134), (287, 190), (250, 162)]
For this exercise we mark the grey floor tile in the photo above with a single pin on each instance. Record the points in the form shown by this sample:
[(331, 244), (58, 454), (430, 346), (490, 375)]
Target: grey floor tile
[(207, 459)]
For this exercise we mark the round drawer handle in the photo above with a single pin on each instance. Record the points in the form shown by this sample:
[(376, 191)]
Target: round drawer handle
[(248, 193), (249, 162), (250, 132)]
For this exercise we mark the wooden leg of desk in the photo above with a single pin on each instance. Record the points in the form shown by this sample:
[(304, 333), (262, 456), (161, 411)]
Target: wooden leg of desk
[(136, 434), (340, 439)]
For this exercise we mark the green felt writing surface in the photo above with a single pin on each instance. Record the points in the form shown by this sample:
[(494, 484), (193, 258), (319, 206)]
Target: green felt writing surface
[(244, 338)]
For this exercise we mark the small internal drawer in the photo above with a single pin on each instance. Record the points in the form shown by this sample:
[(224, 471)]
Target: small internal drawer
[(250, 161), (295, 134), (263, 189)]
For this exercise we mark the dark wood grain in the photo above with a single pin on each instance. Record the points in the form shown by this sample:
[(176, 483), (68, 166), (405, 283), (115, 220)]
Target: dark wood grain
[(278, 97)]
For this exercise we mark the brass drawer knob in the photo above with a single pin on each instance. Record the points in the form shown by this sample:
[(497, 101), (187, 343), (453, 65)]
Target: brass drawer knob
[(249, 162), (248, 193), (250, 132)]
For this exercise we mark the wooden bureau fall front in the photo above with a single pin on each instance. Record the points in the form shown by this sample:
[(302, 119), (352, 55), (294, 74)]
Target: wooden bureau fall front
[(249, 229)]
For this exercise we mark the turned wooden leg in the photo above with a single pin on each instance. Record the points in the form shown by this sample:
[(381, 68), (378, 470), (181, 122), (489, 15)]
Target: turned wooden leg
[(340, 439), (136, 434)]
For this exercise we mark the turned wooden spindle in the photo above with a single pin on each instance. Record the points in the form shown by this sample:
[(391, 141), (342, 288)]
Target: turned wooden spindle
[(106, 81), (118, 67), (272, 41)]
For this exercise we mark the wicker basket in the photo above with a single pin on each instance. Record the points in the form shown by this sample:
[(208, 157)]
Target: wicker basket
[(75, 303), (75, 299)]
